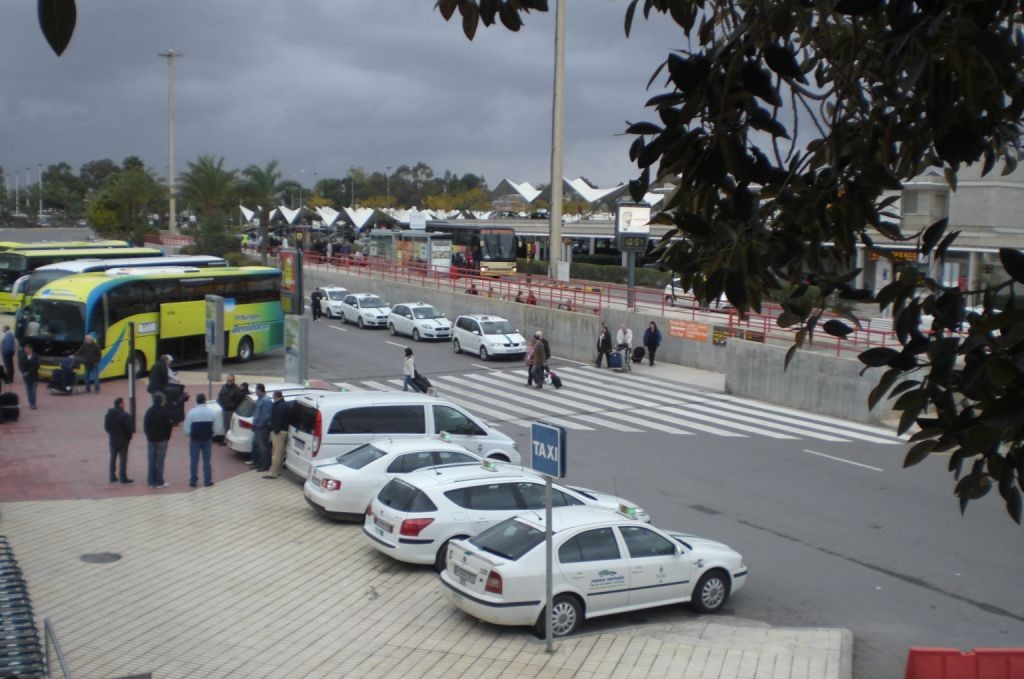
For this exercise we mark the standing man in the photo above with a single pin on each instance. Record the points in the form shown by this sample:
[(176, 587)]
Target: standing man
[(540, 359), (29, 366), (604, 345), (157, 425), (279, 433), (199, 430), (89, 354), (119, 427), (229, 398), (159, 376), (652, 340), (624, 342), (7, 352), (261, 421), (314, 303)]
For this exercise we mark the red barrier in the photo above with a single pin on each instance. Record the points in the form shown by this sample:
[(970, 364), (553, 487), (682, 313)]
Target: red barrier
[(952, 663)]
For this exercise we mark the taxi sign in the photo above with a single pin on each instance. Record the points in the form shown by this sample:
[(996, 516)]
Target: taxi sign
[(548, 446)]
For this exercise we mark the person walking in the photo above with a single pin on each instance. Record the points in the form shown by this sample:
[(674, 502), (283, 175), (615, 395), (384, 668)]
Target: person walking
[(157, 426), (530, 379), (652, 340), (7, 349), (119, 427), (159, 377), (538, 360), (229, 398), (604, 345), (199, 430), (89, 355), (409, 371), (278, 434), (624, 343), (314, 303), (29, 366), (261, 421)]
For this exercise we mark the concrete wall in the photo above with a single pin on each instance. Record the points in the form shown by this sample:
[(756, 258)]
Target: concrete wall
[(814, 382), (817, 383)]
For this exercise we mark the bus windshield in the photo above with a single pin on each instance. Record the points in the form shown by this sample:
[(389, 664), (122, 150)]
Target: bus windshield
[(53, 327), (12, 267), (498, 245), (41, 277)]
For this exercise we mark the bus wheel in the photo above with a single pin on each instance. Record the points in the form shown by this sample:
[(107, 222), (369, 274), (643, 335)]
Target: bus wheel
[(140, 365), (245, 351)]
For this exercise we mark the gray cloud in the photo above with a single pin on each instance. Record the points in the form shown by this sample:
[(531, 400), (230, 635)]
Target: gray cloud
[(322, 86)]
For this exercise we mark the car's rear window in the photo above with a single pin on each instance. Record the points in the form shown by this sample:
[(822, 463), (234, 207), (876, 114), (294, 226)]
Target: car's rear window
[(246, 408), (405, 498), (302, 417), (510, 539), (357, 458)]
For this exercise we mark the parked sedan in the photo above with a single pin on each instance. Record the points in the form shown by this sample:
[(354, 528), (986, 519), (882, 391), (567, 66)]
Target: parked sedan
[(365, 310), (419, 321), (604, 563), (239, 434), (343, 487), (414, 516), (330, 303)]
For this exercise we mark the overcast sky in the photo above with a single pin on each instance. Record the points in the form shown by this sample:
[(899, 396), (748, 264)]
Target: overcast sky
[(324, 85)]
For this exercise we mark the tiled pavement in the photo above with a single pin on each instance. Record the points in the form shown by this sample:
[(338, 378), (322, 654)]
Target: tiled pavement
[(243, 580)]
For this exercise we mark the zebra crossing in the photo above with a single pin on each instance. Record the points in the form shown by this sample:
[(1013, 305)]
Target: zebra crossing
[(601, 399)]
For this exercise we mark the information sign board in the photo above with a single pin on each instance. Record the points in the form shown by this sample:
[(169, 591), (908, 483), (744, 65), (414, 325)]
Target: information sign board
[(548, 449)]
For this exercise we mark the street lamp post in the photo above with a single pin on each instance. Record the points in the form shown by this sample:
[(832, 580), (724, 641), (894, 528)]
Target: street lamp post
[(557, 123), (170, 55), (40, 190), (17, 191), (388, 177)]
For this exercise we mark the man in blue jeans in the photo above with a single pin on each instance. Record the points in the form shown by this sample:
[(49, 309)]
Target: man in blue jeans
[(199, 430)]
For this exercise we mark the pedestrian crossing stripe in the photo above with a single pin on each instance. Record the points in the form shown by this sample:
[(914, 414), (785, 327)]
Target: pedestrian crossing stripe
[(631, 403)]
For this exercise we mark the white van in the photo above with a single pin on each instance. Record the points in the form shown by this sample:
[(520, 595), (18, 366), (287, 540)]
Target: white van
[(327, 425)]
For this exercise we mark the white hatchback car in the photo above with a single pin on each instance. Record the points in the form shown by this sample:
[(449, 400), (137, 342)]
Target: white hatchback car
[(419, 321), (487, 336), (365, 310), (604, 563), (239, 434), (330, 303), (414, 517), (344, 486)]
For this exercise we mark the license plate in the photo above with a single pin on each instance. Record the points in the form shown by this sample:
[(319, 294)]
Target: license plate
[(387, 527), (464, 576)]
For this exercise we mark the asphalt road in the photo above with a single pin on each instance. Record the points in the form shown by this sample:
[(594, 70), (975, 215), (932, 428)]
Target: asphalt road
[(835, 534)]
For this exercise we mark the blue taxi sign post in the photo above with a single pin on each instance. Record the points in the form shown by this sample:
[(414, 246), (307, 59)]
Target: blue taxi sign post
[(548, 446)]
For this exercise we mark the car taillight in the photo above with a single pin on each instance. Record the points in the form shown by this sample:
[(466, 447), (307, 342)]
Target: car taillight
[(245, 424), (318, 427), (413, 527), (493, 583), (369, 509), (330, 484)]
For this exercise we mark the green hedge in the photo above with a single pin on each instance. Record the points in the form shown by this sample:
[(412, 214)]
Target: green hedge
[(603, 273)]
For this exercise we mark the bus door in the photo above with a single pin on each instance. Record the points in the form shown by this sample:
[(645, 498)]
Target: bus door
[(182, 329)]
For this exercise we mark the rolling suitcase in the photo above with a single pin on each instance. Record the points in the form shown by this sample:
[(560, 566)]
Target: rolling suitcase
[(615, 360), (638, 354), (556, 381), (175, 403), (421, 382), (9, 410)]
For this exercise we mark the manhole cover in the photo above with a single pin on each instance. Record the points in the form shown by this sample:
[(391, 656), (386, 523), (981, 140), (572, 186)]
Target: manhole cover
[(101, 557)]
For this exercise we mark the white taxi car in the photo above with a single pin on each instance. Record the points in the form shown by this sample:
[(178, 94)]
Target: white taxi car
[(330, 303), (603, 563), (487, 336), (414, 516), (240, 434), (365, 310), (343, 487), (419, 321)]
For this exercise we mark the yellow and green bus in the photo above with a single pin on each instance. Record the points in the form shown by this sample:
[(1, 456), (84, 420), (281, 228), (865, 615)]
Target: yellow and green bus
[(63, 245), (168, 308), (17, 263)]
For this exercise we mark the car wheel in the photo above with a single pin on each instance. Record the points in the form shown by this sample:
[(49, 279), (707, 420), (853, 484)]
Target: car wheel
[(359, 322), (499, 457), (441, 560), (567, 614), (456, 347), (140, 365), (328, 313), (483, 353), (245, 351), (391, 329), (415, 335), (711, 592)]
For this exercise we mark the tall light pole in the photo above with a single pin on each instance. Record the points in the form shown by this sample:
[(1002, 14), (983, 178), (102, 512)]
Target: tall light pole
[(387, 175), (17, 191), (170, 55), (40, 190), (557, 124)]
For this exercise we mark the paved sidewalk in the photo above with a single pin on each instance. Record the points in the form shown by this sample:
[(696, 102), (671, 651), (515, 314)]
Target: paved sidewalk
[(243, 580)]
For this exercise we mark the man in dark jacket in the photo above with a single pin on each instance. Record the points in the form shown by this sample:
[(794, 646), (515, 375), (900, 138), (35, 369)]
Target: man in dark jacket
[(119, 427), (29, 366), (159, 376), (278, 434), (157, 425), (89, 354), (229, 398), (604, 344)]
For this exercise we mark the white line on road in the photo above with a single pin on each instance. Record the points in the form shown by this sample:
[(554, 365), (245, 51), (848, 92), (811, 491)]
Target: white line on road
[(395, 344), (485, 367), (839, 459), (337, 327)]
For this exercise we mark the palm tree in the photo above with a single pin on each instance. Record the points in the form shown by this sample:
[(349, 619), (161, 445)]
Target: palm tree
[(209, 187), (264, 187)]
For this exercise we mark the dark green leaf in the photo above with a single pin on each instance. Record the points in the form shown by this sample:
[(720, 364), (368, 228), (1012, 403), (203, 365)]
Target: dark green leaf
[(759, 83), (789, 357), (856, 7), (880, 390), (782, 61), (918, 453), (1013, 504), (876, 357), (447, 8), (932, 235), (57, 21), (837, 328), (946, 242), (642, 128), (630, 11), (471, 18), (1013, 262)]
